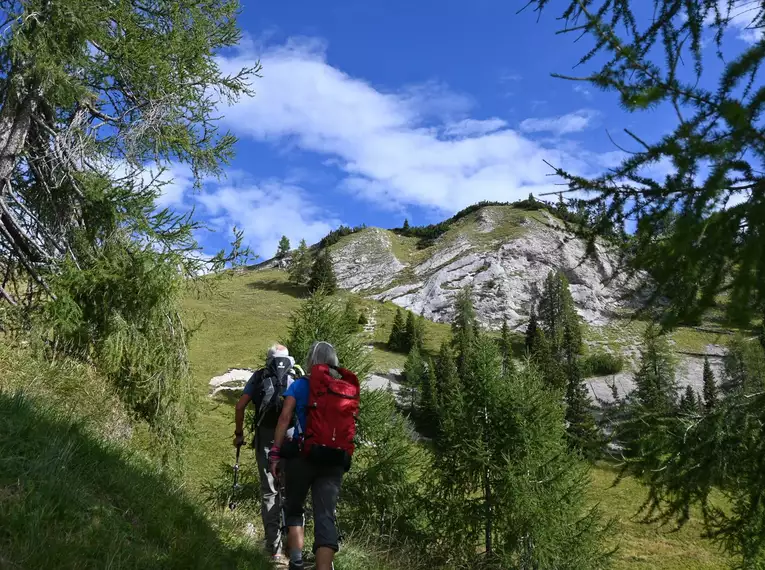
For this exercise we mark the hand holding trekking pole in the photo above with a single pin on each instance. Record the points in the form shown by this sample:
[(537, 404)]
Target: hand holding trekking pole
[(238, 439)]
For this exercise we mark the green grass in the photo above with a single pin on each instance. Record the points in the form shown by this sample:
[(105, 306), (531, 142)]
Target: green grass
[(245, 321), (74, 488), (649, 545), (70, 498), (624, 334)]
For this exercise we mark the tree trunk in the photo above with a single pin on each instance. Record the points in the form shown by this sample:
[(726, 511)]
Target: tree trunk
[(487, 497), (487, 488), (15, 118)]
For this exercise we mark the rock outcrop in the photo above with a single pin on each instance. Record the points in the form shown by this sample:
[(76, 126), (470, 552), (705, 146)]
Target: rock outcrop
[(505, 272), (366, 261)]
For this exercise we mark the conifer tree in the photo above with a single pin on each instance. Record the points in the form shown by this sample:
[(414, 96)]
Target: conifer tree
[(419, 327), (583, 433), (710, 388), (705, 215), (93, 93), (410, 332), (518, 496), (284, 247), (689, 404), (429, 396), (350, 316), (323, 274), (549, 367), (320, 318), (743, 368), (414, 374), (556, 310), (92, 96), (711, 198), (447, 380), (300, 266), (406, 224), (531, 332), (654, 400), (464, 329), (396, 341), (656, 389), (506, 347)]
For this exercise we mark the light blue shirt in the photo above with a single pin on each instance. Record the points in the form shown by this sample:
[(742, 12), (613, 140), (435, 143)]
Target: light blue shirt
[(299, 390)]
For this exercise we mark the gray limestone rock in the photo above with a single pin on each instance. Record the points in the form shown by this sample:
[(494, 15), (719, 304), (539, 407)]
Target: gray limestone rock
[(366, 262)]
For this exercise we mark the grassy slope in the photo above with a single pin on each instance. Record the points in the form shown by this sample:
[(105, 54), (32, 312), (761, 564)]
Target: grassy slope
[(239, 325), (254, 314), (71, 496)]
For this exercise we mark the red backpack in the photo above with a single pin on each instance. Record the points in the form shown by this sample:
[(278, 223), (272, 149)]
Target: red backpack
[(333, 407)]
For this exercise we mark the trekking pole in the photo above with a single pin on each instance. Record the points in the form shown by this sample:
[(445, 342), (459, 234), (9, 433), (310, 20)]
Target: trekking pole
[(235, 487)]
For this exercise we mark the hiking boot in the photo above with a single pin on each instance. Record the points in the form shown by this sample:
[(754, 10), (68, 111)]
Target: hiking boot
[(298, 566)]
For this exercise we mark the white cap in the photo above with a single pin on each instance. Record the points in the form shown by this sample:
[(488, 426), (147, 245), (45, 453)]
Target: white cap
[(277, 351)]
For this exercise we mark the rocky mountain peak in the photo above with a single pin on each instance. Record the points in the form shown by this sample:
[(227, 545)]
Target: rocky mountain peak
[(501, 252)]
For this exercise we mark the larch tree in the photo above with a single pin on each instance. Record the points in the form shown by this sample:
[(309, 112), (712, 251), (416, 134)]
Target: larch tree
[(447, 381), (689, 403), (410, 332), (582, 430), (507, 491), (414, 374), (698, 229), (464, 329), (396, 340), (283, 248), (710, 387), (506, 347), (429, 395), (351, 316), (698, 225), (652, 405), (300, 265), (323, 274), (97, 100), (531, 331)]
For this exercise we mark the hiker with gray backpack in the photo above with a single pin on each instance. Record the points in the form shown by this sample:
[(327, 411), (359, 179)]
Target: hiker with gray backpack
[(265, 389), (323, 408)]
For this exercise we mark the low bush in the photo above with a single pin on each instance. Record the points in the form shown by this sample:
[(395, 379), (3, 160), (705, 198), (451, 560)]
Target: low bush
[(603, 364)]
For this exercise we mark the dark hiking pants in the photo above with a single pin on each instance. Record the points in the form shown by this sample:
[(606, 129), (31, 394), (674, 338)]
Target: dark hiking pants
[(324, 483)]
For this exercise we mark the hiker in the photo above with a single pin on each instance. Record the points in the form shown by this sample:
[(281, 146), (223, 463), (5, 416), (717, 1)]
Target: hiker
[(325, 431), (265, 389)]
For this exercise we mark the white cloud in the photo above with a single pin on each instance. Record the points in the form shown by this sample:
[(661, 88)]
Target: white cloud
[(740, 15), (410, 147), (177, 182), (265, 212), (473, 127), (583, 91), (564, 124), (173, 181)]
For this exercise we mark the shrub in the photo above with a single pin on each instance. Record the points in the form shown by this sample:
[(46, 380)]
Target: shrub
[(602, 364)]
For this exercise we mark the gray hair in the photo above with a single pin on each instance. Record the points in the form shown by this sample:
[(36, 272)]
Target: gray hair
[(321, 353), (277, 351)]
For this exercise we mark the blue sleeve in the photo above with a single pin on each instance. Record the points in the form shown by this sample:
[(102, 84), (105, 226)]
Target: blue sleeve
[(249, 388), (298, 389)]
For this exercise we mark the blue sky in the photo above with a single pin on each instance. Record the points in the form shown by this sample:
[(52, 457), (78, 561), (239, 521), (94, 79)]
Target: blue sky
[(370, 111)]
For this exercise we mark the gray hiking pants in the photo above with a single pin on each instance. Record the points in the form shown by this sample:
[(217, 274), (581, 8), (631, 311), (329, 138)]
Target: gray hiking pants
[(269, 493), (324, 483)]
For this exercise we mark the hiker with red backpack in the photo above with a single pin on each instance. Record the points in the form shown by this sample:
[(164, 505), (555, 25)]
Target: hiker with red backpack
[(265, 389), (325, 405)]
